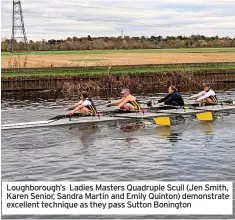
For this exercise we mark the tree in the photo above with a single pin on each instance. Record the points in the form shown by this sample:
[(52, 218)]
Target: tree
[(3, 46), (21, 46), (127, 38), (89, 38), (143, 38), (147, 45), (98, 44), (75, 38), (180, 37), (124, 45), (52, 41), (233, 42), (202, 43)]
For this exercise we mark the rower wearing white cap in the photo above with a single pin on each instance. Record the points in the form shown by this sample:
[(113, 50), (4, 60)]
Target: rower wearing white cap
[(128, 102), (206, 96)]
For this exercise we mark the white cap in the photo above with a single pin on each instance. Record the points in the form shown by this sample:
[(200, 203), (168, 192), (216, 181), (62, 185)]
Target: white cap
[(125, 91)]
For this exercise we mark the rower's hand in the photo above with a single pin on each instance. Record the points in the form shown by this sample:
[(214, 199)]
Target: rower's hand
[(70, 113), (109, 104), (117, 107), (154, 102), (191, 98), (149, 104)]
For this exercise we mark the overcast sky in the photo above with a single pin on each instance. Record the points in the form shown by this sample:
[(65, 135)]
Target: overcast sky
[(59, 19)]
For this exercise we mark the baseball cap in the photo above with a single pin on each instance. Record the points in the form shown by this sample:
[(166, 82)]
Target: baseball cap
[(125, 91)]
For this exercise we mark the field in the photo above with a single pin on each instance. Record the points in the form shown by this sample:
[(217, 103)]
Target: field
[(116, 57), (120, 70)]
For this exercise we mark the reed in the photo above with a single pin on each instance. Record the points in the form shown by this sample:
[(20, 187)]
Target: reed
[(140, 84)]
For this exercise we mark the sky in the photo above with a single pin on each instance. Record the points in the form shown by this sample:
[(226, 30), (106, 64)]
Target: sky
[(59, 19)]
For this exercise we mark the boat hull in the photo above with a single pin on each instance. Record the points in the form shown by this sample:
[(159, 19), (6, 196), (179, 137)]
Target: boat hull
[(120, 117)]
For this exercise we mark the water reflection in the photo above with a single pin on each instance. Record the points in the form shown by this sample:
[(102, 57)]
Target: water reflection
[(205, 127), (174, 137), (130, 127), (130, 140), (163, 131), (85, 133), (168, 133)]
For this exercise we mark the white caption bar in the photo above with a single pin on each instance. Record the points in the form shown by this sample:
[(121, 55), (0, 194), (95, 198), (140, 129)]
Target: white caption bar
[(117, 198)]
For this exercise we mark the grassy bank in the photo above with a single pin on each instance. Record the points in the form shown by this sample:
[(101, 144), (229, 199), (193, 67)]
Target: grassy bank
[(91, 52), (121, 70)]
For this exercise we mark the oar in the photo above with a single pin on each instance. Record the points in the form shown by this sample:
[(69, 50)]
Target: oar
[(58, 117), (166, 121), (202, 116), (205, 116), (231, 102), (162, 121), (102, 113)]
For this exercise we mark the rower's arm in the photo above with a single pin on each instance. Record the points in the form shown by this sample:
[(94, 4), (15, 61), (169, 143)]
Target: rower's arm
[(78, 108), (204, 96), (170, 99), (73, 106), (164, 99), (197, 95), (117, 102), (124, 101)]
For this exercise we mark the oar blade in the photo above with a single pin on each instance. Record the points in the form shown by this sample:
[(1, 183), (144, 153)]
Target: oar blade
[(162, 121), (205, 116)]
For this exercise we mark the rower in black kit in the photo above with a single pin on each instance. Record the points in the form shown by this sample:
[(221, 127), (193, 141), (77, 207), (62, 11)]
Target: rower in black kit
[(173, 98)]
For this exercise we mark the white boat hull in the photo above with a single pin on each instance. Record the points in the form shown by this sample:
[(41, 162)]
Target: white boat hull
[(117, 117)]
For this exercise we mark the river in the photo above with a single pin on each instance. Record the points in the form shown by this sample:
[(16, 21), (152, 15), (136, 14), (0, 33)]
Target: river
[(187, 151)]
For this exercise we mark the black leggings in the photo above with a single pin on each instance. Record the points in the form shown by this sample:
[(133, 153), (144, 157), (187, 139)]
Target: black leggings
[(172, 103)]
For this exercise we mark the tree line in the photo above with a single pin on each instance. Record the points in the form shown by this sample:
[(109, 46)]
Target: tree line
[(126, 42)]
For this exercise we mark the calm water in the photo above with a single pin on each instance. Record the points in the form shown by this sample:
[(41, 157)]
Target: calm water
[(114, 151)]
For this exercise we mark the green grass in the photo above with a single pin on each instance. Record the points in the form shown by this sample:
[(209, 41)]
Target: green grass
[(120, 70), (91, 52)]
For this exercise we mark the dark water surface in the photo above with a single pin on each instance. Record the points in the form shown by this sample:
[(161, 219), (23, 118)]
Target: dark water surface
[(188, 151)]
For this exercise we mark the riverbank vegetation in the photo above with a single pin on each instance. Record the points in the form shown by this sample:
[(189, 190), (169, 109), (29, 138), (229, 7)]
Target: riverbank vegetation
[(125, 43)]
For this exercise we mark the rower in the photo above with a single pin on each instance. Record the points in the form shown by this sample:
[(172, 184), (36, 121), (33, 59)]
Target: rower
[(85, 105), (128, 102), (173, 98), (206, 96)]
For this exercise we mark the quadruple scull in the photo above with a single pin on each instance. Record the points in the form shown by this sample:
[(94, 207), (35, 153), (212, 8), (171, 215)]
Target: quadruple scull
[(129, 108)]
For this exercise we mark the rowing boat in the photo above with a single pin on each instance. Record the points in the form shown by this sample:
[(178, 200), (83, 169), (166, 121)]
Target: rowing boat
[(193, 111), (152, 113), (83, 120)]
